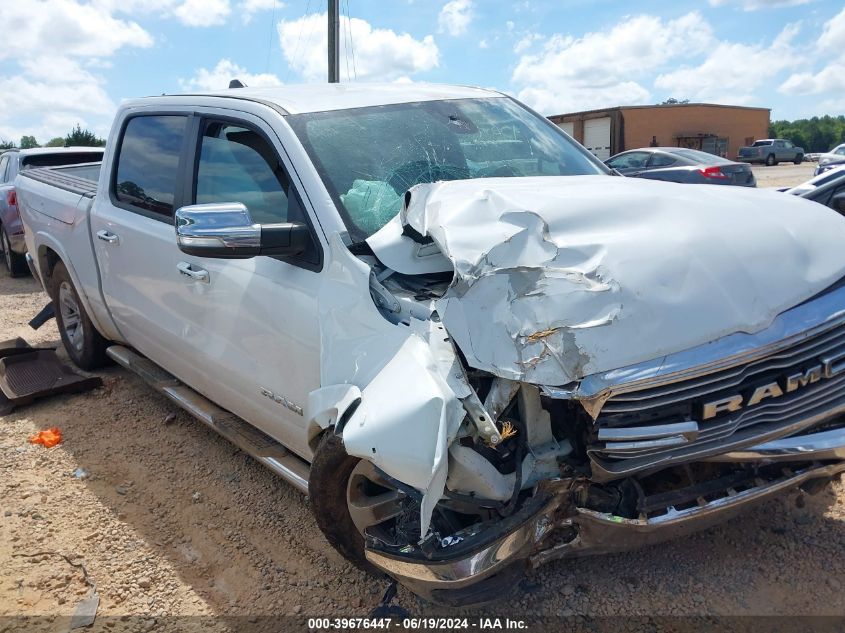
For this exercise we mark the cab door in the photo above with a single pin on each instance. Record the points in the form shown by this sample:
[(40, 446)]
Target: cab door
[(253, 323), (244, 333)]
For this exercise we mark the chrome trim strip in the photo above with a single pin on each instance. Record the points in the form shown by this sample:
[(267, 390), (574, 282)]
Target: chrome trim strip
[(633, 433), (814, 446)]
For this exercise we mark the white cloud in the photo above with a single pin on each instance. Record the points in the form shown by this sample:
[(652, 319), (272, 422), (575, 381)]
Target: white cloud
[(455, 16), (733, 72), (526, 42), (65, 27), (218, 78), (202, 12), (831, 78), (195, 13), (753, 5), (378, 53), (51, 95), (603, 68), (248, 8)]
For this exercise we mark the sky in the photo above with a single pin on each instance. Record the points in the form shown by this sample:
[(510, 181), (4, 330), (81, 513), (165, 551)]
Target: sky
[(65, 62)]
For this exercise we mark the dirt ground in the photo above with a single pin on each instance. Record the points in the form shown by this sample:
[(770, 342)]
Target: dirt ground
[(170, 520)]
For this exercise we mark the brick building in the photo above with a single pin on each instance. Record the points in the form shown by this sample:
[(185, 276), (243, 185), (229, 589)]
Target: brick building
[(718, 129)]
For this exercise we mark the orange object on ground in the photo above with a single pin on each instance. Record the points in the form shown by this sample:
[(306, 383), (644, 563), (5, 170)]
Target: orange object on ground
[(48, 438)]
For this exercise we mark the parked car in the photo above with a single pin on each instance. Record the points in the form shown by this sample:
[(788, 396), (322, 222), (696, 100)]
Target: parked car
[(678, 164), (827, 189), (831, 159), (12, 244), (771, 151), (475, 351)]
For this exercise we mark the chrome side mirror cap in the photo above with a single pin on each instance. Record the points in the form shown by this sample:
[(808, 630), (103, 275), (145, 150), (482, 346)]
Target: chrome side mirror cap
[(226, 230)]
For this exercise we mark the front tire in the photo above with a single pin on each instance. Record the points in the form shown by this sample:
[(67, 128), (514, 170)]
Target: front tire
[(770, 160), (15, 262), (799, 159), (341, 485), (84, 344)]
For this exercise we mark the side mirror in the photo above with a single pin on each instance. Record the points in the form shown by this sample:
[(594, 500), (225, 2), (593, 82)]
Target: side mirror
[(226, 230), (838, 202)]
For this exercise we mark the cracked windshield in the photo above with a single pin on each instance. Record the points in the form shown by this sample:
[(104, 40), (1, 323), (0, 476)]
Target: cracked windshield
[(369, 157)]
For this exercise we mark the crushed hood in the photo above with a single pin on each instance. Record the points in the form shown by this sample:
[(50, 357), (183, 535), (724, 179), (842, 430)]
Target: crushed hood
[(557, 278)]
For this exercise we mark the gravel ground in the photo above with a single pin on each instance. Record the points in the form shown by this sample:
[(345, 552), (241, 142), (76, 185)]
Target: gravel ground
[(171, 520), (783, 174)]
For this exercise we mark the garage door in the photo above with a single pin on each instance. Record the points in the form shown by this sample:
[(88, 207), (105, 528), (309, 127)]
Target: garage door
[(597, 137), (568, 127)]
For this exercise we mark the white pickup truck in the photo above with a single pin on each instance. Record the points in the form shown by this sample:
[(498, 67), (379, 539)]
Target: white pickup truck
[(431, 310)]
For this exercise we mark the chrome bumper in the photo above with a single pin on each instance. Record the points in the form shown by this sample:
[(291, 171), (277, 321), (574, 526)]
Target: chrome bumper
[(595, 533)]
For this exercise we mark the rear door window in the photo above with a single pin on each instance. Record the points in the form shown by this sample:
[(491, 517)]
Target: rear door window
[(148, 164), (661, 160), (634, 160), (4, 163)]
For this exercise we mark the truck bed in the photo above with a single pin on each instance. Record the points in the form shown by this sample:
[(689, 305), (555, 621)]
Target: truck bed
[(79, 179)]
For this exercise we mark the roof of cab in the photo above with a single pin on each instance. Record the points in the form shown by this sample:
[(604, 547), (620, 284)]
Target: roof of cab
[(297, 99)]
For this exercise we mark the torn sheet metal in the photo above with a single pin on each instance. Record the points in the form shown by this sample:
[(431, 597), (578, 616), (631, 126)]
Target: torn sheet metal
[(408, 413), (407, 418), (558, 278)]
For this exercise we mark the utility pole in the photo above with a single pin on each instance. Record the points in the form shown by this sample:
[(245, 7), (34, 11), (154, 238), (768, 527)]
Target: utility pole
[(334, 40)]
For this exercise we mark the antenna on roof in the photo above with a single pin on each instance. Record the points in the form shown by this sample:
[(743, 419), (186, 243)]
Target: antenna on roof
[(236, 83)]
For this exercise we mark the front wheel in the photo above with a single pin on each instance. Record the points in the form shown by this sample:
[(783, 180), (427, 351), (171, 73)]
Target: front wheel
[(15, 262), (770, 160), (799, 159), (84, 344), (348, 496)]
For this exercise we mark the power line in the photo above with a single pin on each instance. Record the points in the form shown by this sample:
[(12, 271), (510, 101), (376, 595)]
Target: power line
[(270, 38), (346, 47), (303, 20), (351, 43)]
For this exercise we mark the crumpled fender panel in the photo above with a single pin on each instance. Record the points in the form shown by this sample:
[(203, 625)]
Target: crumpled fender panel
[(408, 414), (558, 278)]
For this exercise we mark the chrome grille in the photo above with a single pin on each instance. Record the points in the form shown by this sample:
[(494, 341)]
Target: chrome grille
[(830, 342), (661, 424)]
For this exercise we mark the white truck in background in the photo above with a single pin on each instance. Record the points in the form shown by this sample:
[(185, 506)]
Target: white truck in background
[(432, 311)]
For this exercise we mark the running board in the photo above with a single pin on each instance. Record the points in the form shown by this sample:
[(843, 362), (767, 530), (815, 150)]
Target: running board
[(249, 439)]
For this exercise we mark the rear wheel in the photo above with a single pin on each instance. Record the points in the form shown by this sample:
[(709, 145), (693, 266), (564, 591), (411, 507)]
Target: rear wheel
[(770, 160), (84, 344), (799, 159), (15, 263)]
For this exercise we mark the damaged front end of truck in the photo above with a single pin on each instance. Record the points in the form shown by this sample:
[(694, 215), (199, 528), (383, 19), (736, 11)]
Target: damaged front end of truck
[(528, 371)]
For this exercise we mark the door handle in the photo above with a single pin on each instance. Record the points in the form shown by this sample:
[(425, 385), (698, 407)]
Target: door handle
[(197, 274), (106, 236)]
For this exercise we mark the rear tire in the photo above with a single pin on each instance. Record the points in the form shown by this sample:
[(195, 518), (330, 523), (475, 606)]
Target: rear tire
[(770, 160), (84, 344), (15, 262), (799, 159)]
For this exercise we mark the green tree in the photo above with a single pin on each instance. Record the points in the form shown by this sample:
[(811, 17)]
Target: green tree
[(83, 138), (4, 144), (28, 142), (817, 134), (59, 141)]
